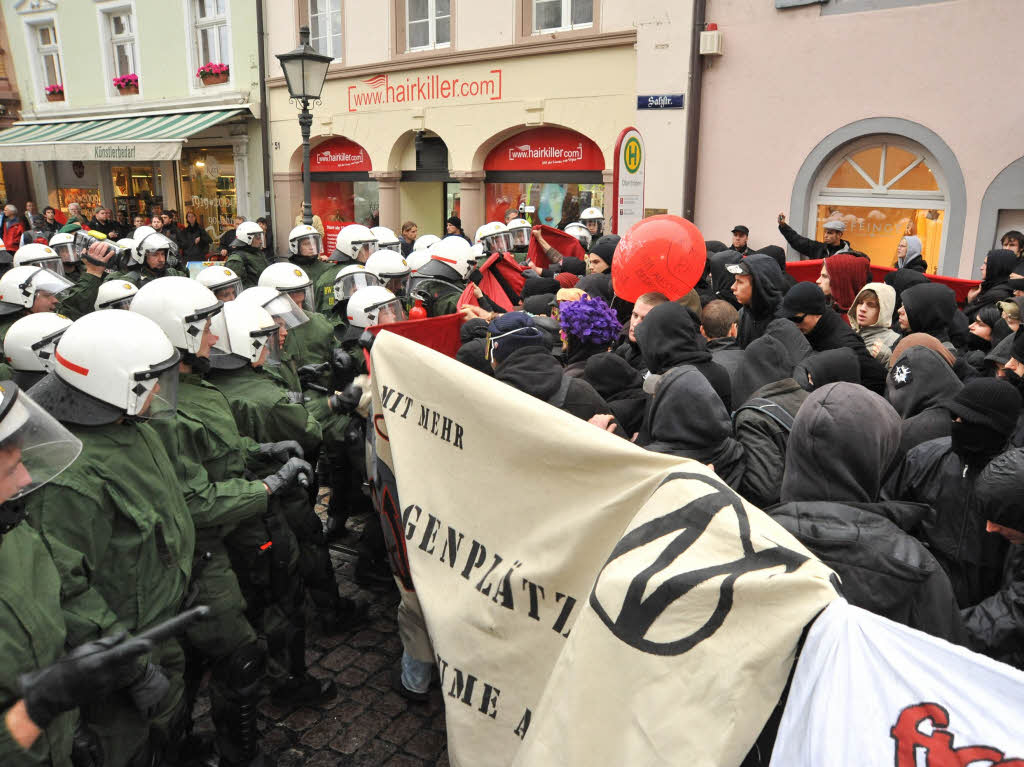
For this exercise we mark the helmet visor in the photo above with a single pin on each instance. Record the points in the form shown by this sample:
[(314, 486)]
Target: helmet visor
[(55, 265), (520, 236), (388, 312), (46, 346), (266, 346), (499, 242), (345, 286), (153, 393), (47, 281), (308, 245), (66, 252), (228, 291), (363, 250), (42, 445), (302, 296), (398, 285), (282, 307), (123, 302)]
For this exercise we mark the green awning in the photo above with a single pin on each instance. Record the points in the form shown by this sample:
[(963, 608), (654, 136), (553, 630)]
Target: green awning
[(113, 139)]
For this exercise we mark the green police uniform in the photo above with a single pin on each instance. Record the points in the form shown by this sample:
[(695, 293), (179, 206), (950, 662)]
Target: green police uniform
[(31, 636), (122, 539), (323, 286), (140, 277), (313, 267), (80, 298), (248, 263), (6, 320)]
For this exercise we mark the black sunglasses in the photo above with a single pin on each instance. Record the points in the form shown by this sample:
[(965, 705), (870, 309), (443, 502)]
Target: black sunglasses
[(797, 319)]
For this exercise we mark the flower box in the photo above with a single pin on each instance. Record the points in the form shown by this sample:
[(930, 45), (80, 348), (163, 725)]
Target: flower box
[(213, 74), (127, 85), (55, 96), (54, 92), (129, 90)]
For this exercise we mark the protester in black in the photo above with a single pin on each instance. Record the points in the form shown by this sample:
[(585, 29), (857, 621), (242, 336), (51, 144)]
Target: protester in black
[(918, 386), (758, 287)]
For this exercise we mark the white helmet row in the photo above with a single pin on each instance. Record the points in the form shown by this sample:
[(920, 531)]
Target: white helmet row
[(374, 305), (115, 294), (580, 232), (391, 269), (304, 240), (289, 279), (248, 232), (519, 229), (495, 237), (31, 341), (20, 286), (62, 243), (278, 305), (246, 333), (224, 283), (591, 214), (36, 254), (457, 254), (424, 241), (181, 307), (355, 241), (352, 278), (386, 239)]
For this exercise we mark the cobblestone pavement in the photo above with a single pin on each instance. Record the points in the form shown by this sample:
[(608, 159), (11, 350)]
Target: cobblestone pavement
[(368, 723)]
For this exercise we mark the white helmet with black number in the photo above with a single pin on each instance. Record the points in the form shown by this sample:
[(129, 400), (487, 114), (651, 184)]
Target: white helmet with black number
[(519, 229), (224, 283), (352, 278), (108, 365), (22, 285), (593, 219), (181, 307), (248, 232), (424, 241), (392, 270), (374, 305), (36, 254), (386, 239), (30, 343), (581, 233), (355, 241), (495, 237), (304, 240), (246, 334), (279, 305), (452, 259), (115, 294), (62, 242), (289, 279)]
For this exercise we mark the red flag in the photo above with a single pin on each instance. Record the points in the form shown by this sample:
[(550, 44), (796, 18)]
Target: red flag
[(808, 271), (510, 271), (438, 333), (564, 243)]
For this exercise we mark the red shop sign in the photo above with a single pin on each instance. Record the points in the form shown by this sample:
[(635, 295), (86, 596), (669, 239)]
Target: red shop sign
[(546, 149), (338, 154)]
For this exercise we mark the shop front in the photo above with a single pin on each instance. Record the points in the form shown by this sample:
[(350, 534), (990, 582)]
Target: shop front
[(340, 187)]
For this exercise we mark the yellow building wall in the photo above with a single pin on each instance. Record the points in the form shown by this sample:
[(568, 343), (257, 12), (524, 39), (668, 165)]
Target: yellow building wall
[(422, 203)]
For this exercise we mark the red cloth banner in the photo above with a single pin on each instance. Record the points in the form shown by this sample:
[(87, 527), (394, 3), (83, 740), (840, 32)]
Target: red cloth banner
[(564, 243), (438, 333), (510, 271), (808, 271)]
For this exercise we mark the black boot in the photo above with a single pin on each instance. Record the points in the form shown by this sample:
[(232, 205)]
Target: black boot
[(301, 688)]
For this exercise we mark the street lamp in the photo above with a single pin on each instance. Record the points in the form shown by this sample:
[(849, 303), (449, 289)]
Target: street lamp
[(305, 71)]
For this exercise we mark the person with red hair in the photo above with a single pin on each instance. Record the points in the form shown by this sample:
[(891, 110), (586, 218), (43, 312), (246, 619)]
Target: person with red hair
[(842, 277)]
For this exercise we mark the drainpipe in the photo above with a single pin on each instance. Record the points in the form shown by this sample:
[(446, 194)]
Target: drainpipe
[(693, 91), (264, 123)]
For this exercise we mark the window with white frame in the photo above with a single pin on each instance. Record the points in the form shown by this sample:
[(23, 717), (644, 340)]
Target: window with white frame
[(428, 24), (212, 33), (325, 27), (48, 53), (561, 15), (121, 32)]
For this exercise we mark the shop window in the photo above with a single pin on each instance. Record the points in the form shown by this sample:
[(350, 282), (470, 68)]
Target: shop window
[(212, 32), (121, 33), (208, 188), (340, 203), (135, 189), (47, 54), (561, 15), (552, 204), (883, 188), (428, 24), (325, 26)]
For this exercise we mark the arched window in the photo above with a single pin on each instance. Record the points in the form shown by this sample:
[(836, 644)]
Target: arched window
[(883, 187)]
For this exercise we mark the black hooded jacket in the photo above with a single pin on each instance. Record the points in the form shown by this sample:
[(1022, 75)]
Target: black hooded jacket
[(832, 366), (934, 474), (668, 338), (721, 278), (917, 385), (620, 386), (999, 264), (930, 309), (899, 281), (687, 419), (832, 333), (533, 370), (768, 289), (842, 443), (770, 358)]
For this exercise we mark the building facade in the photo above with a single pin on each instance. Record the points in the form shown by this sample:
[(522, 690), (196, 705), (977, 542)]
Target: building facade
[(435, 108), (116, 113), (892, 115)]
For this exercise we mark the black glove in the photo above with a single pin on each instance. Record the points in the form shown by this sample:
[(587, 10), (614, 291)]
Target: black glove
[(86, 749), (476, 276), (282, 451), (89, 672), (345, 401), (310, 373), (295, 469), (343, 369), (366, 339), (149, 689)]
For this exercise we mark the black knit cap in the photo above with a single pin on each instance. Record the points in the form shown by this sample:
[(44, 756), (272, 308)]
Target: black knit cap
[(1017, 349), (802, 298), (987, 402), (605, 246)]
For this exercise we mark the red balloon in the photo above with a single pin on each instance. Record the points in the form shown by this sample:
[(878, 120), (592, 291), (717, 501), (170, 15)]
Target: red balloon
[(662, 253)]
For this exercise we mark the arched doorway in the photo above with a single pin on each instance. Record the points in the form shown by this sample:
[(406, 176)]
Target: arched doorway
[(340, 187)]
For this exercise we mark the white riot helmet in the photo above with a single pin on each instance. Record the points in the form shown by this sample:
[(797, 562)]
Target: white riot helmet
[(374, 305), (392, 270), (115, 294), (593, 219), (108, 365), (520, 230), (30, 343), (62, 243), (181, 307), (154, 243), (300, 237), (452, 258), (424, 241), (277, 304), (418, 258), (246, 334), (20, 286), (495, 238), (581, 233), (129, 245), (289, 279), (352, 278), (386, 239), (354, 241), (248, 232), (224, 283), (36, 254)]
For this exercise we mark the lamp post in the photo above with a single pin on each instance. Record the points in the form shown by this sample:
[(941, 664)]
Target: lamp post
[(305, 71)]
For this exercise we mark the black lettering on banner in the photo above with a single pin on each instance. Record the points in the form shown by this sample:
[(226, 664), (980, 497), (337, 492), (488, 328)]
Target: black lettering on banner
[(386, 395), (462, 686), (638, 611), (524, 724), (429, 534), (451, 546), (408, 522)]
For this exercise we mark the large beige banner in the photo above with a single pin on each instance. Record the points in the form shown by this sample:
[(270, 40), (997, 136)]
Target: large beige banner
[(588, 602)]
